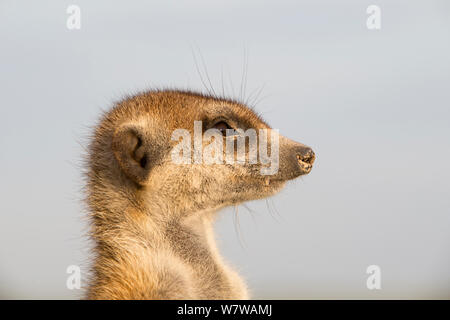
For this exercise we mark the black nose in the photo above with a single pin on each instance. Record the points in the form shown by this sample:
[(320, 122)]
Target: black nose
[(305, 158)]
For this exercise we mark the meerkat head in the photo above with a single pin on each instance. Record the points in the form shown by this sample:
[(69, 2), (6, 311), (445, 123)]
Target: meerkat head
[(188, 152)]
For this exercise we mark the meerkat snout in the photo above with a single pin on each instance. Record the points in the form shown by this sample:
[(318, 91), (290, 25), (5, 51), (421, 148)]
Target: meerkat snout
[(305, 157)]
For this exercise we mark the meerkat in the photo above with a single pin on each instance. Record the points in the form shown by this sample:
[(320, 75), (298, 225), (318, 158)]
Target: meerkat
[(152, 219)]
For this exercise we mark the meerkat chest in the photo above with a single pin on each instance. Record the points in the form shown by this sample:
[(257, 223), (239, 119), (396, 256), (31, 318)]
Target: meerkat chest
[(215, 280)]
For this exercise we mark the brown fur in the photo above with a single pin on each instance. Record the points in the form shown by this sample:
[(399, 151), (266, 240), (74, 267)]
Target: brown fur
[(151, 219)]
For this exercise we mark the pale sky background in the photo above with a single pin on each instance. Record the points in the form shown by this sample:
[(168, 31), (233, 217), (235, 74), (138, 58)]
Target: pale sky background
[(374, 105)]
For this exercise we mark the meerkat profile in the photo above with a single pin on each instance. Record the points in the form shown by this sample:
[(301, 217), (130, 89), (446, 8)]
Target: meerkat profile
[(152, 219)]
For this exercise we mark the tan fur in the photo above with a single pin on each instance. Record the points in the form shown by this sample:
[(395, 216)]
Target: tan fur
[(152, 219)]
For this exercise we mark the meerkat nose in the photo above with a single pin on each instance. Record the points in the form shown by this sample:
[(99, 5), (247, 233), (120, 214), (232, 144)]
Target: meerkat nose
[(306, 158), (306, 155)]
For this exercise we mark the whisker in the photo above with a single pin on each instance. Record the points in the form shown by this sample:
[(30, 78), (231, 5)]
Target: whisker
[(250, 211), (246, 71), (270, 211), (261, 99), (237, 227), (199, 72), (206, 73), (231, 84), (257, 91), (221, 78), (275, 209)]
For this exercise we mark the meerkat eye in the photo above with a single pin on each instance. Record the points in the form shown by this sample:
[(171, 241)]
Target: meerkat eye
[(222, 126)]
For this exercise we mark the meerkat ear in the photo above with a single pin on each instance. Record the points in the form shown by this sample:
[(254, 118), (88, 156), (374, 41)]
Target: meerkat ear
[(130, 150)]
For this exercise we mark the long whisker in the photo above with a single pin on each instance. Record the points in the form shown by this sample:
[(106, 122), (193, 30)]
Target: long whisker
[(270, 211), (246, 72), (275, 209), (231, 84), (254, 95), (237, 227), (250, 211), (260, 99), (206, 72), (199, 72), (221, 78)]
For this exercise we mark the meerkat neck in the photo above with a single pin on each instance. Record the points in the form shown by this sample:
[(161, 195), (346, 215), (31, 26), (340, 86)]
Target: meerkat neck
[(149, 223)]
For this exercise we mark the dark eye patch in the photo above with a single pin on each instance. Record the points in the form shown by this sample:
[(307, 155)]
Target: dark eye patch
[(222, 126)]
